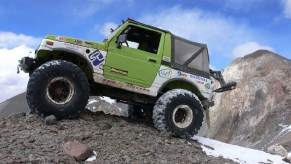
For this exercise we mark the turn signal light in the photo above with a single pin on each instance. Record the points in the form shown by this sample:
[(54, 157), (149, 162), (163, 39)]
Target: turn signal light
[(50, 43)]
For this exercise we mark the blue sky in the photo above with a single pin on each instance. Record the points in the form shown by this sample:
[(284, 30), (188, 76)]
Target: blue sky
[(230, 28)]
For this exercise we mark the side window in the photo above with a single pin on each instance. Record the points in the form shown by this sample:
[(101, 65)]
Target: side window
[(142, 39)]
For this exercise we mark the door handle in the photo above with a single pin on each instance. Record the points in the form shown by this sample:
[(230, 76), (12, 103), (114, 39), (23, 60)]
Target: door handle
[(152, 60)]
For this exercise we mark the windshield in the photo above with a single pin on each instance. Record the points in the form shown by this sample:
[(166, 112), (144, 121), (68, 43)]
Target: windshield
[(112, 34)]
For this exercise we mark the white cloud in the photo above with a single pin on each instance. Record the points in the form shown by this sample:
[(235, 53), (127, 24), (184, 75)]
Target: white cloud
[(249, 47), (12, 48), (287, 8), (10, 40), (212, 67), (220, 33), (105, 29), (12, 83)]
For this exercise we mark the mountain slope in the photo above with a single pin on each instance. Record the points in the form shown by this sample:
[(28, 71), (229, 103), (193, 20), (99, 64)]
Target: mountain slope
[(258, 113), (27, 139), (16, 104)]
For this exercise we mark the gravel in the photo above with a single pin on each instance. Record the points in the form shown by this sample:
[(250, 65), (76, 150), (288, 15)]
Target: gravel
[(25, 138)]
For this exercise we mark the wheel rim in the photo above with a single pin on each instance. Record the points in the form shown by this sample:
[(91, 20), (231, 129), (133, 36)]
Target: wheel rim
[(182, 116), (60, 90)]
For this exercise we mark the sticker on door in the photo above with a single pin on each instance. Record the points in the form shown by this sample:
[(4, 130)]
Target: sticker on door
[(96, 58)]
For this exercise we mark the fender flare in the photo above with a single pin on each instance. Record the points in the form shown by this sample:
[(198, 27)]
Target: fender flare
[(182, 80), (76, 54)]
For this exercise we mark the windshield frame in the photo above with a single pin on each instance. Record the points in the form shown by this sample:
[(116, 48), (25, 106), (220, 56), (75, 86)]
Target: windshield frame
[(112, 34)]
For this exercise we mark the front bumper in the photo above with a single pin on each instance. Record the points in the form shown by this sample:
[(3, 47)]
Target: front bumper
[(26, 64)]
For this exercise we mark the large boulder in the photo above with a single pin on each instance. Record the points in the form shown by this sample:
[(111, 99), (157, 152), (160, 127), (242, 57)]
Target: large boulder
[(77, 150), (257, 113), (277, 150)]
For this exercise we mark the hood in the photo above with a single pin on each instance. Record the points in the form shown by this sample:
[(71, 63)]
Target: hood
[(76, 41)]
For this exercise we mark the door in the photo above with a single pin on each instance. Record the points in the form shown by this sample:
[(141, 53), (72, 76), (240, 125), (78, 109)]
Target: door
[(136, 61)]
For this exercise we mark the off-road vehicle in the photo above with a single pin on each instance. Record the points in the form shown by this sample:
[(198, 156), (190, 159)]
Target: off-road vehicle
[(144, 66)]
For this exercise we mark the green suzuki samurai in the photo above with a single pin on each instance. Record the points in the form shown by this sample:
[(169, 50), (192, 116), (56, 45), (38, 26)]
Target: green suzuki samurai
[(140, 65)]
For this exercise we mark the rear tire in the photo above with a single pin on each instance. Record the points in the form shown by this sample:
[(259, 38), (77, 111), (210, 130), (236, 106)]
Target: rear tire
[(58, 88), (178, 111)]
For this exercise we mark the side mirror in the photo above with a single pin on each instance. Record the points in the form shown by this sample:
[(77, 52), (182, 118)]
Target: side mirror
[(121, 39)]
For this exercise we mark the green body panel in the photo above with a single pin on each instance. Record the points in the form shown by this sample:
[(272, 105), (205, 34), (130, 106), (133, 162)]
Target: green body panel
[(136, 66), (51, 37), (84, 43)]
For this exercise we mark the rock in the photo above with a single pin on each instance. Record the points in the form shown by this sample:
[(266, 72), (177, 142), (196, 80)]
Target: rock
[(209, 147), (192, 160), (15, 120), (50, 120), (106, 126), (87, 115), (27, 151), (32, 140), (277, 150), (137, 146), (61, 127), (12, 140), (2, 124), (85, 136), (77, 150), (124, 129), (258, 111), (286, 160), (126, 158), (31, 157)]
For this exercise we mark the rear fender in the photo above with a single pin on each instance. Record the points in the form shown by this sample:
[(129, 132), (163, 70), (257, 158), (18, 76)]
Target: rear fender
[(179, 83)]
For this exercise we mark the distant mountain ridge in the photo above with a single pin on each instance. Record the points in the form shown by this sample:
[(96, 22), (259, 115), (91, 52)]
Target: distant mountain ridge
[(16, 104)]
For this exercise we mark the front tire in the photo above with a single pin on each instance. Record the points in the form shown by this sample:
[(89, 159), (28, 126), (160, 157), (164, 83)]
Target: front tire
[(58, 88), (179, 111)]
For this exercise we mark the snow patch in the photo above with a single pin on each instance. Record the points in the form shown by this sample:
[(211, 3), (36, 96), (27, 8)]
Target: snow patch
[(107, 99), (236, 153), (92, 158), (91, 101), (287, 128)]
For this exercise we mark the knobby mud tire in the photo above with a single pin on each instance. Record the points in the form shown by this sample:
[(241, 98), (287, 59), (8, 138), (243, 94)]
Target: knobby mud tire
[(58, 88), (168, 105)]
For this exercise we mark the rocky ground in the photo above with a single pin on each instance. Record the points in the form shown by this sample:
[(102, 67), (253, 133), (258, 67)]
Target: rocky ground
[(25, 138)]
